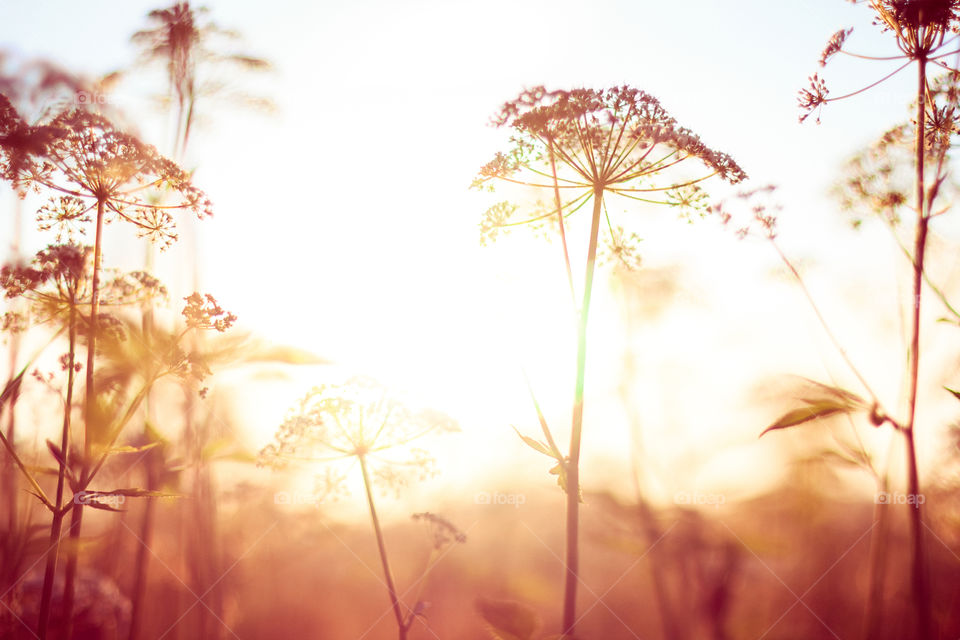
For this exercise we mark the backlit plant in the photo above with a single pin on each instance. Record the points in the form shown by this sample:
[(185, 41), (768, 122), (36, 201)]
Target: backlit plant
[(358, 425), (580, 147), (922, 31)]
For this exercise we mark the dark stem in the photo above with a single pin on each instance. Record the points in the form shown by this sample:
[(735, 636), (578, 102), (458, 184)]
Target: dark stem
[(76, 517), (382, 548), (573, 464), (918, 564), (877, 570), (56, 525), (142, 565)]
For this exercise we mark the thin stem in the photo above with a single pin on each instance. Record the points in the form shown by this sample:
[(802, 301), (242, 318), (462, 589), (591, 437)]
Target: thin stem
[(76, 518), (381, 546), (873, 84), (56, 524), (573, 465), (563, 233), (823, 321), (918, 564), (878, 567)]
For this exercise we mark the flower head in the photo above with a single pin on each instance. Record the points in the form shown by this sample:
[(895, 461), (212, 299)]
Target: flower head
[(584, 144), (92, 163), (355, 420)]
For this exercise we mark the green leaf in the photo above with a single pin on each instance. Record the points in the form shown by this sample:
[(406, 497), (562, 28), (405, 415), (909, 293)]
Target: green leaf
[(956, 394), (508, 620)]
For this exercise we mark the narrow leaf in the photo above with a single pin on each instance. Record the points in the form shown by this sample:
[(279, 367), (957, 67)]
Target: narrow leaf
[(805, 414), (536, 445), (132, 449)]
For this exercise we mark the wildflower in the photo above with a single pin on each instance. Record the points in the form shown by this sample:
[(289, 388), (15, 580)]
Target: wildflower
[(99, 167), (813, 98), (357, 420), (203, 312), (834, 45), (444, 532)]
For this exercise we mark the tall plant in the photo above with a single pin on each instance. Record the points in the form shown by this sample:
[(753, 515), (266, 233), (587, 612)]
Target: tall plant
[(360, 423), (920, 29), (583, 147), (96, 174)]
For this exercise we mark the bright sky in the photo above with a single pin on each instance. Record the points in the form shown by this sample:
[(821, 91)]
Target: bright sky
[(344, 224)]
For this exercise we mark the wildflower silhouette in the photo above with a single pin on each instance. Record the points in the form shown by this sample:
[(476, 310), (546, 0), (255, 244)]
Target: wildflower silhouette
[(197, 58), (920, 29), (91, 166), (58, 286), (587, 146), (358, 422), (180, 37)]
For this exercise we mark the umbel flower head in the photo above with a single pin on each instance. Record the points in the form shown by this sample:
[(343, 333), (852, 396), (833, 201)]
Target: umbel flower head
[(355, 421), (58, 279), (585, 143), (919, 27), (91, 164)]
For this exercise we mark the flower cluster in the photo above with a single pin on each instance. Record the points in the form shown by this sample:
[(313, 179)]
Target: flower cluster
[(813, 98), (582, 145), (602, 135), (443, 531), (749, 212), (356, 420), (93, 164), (834, 45), (203, 312)]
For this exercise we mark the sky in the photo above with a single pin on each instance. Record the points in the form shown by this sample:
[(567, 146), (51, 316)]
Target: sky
[(344, 223)]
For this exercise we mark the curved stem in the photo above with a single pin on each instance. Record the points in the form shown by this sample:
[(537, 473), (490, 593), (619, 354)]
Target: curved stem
[(382, 548), (573, 464)]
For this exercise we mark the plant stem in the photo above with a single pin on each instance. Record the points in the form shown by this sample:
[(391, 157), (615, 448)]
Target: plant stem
[(563, 233), (381, 546), (56, 524), (918, 564), (76, 516), (878, 567), (573, 464), (142, 561)]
